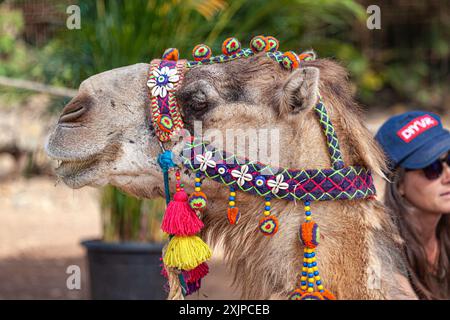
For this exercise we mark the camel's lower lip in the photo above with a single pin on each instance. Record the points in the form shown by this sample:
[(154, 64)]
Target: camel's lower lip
[(72, 168)]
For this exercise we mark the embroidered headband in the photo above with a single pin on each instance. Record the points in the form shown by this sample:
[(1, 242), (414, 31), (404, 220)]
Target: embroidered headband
[(184, 258)]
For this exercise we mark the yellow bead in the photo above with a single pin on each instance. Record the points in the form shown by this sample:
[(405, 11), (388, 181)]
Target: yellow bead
[(233, 194), (197, 179), (309, 250), (317, 277), (303, 287), (197, 189), (309, 260), (231, 203), (315, 268), (267, 203), (320, 287), (304, 269), (310, 280), (308, 218), (310, 270), (307, 208), (310, 290), (302, 278), (267, 213), (304, 259)]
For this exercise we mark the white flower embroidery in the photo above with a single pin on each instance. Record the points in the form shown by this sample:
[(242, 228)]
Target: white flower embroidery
[(162, 81), (242, 175), (205, 161), (277, 184)]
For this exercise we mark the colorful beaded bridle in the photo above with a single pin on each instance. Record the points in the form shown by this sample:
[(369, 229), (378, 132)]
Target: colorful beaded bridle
[(184, 258)]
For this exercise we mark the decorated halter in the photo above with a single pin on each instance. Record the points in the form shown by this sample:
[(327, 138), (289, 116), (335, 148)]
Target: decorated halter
[(185, 256)]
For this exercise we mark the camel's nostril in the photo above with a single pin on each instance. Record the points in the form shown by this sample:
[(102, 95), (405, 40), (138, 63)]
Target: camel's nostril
[(74, 110), (72, 115)]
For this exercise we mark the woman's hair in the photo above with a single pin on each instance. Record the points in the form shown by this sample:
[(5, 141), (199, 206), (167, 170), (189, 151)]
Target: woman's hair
[(429, 282)]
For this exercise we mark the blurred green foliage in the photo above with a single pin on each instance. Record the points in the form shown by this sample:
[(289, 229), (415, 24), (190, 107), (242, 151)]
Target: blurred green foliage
[(126, 218)]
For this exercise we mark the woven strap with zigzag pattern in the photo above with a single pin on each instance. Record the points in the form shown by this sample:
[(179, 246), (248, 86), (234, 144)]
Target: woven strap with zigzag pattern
[(337, 183)]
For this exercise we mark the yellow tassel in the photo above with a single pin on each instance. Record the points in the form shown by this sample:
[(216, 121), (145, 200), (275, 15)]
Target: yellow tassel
[(186, 252)]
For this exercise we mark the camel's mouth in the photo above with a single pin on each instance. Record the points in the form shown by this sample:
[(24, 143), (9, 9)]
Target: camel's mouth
[(75, 173), (72, 167)]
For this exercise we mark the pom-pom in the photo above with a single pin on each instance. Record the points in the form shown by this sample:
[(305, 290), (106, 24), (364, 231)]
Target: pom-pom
[(171, 54), (296, 294), (192, 287), (201, 52), (165, 122), (258, 44), (307, 56), (197, 273), (272, 44), (290, 60), (197, 200), (179, 218), (311, 296), (186, 252), (268, 225), (233, 215), (231, 46), (309, 234), (193, 275), (327, 295)]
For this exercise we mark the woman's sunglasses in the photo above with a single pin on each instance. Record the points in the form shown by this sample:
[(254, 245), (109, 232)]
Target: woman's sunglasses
[(434, 170)]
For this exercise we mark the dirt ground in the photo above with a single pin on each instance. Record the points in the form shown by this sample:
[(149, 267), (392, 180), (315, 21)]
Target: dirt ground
[(41, 226)]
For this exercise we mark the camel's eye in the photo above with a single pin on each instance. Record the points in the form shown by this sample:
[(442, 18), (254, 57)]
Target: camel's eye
[(199, 100)]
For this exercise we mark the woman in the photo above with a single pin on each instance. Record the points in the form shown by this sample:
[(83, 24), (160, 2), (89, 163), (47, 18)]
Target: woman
[(418, 148)]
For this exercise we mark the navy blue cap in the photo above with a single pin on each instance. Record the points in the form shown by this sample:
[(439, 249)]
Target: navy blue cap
[(413, 140)]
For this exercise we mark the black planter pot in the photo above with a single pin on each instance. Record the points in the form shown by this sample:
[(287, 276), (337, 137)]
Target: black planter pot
[(126, 271)]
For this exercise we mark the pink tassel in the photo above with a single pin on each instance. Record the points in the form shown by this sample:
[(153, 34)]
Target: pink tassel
[(197, 273), (179, 218)]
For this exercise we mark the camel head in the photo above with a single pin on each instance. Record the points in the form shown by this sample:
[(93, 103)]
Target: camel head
[(104, 134)]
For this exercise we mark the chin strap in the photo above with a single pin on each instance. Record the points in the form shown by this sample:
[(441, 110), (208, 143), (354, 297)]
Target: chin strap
[(165, 161)]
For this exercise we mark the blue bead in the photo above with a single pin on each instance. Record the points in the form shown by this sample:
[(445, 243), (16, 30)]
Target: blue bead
[(305, 264), (316, 273), (310, 275), (198, 184), (198, 174), (308, 213), (267, 198), (312, 254), (304, 274), (267, 208), (231, 198), (318, 282), (307, 203), (303, 283), (232, 189), (314, 264), (311, 284), (260, 181), (309, 265)]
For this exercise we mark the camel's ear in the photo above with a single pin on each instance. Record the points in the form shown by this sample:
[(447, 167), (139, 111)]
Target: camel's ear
[(300, 91)]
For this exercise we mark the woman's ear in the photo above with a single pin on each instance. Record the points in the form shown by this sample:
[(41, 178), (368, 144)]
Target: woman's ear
[(300, 91)]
